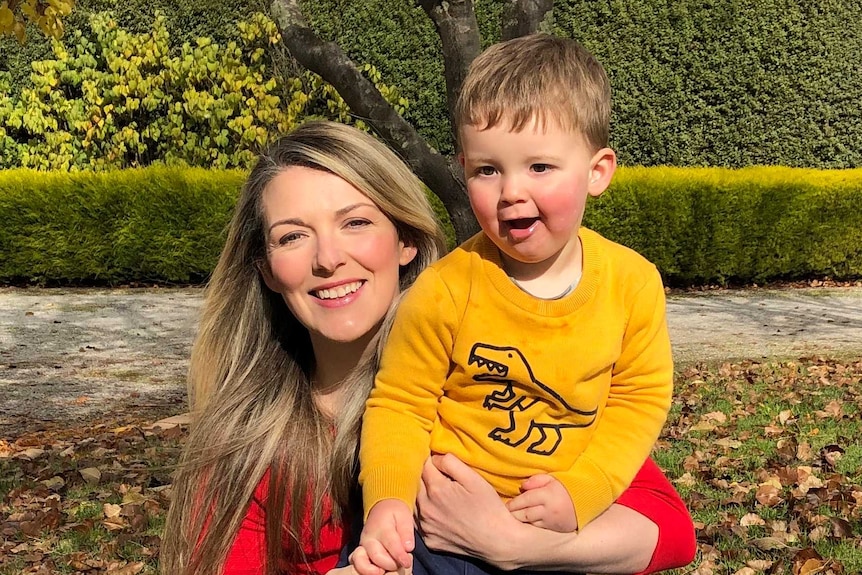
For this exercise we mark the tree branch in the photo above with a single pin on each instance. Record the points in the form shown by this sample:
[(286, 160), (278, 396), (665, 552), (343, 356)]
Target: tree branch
[(459, 34), (523, 17), (330, 62)]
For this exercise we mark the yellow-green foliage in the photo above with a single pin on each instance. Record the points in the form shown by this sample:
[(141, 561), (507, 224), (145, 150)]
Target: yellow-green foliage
[(118, 100), (46, 14), (703, 225)]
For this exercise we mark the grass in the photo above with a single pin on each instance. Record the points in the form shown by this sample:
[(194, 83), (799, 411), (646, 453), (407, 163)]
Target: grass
[(735, 431)]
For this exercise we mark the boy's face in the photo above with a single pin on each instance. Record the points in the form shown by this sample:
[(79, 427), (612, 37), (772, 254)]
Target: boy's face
[(528, 188)]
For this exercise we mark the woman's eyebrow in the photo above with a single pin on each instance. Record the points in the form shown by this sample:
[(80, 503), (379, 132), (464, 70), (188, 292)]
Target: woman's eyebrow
[(338, 213), (351, 207), (286, 221)]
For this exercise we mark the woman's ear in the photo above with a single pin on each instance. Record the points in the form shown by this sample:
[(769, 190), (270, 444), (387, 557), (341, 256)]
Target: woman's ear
[(602, 167), (408, 254)]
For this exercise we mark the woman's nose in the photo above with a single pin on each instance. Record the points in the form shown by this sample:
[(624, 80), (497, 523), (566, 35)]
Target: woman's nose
[(329, 257)]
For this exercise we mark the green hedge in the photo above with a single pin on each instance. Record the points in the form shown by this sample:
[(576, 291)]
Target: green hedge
[(155, 224), (707, 225), (699, 225)]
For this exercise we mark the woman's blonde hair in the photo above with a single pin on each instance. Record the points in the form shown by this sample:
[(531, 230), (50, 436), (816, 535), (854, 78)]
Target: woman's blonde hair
[(252, 362)]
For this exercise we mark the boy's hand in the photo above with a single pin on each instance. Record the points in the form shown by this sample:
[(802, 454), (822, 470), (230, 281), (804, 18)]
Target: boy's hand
[(387, 536), (360, 564), (544, 502)]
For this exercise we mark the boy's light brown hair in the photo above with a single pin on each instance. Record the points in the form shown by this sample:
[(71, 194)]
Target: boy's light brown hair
[(538, 76)]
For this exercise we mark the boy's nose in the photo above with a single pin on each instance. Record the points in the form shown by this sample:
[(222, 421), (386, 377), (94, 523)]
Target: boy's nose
[(513, 191)]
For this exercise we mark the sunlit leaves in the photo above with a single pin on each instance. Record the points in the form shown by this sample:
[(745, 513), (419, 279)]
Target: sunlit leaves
[(114, 99), (47, 15)]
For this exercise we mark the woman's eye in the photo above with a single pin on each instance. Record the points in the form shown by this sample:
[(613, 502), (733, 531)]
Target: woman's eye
[(540, 168), (289, 238), (359, 223)]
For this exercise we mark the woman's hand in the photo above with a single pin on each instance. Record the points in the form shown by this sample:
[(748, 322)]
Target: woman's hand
[(459, 512)]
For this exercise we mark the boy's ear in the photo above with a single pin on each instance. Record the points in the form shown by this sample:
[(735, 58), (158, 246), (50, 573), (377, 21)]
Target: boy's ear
[(602, 168), (460, 156)]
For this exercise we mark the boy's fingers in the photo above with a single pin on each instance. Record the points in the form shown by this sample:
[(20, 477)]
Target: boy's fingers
[(379, 555), (525, 500), (362, 564), (405, 527), (536, 481), (394, 543), (530, 515)]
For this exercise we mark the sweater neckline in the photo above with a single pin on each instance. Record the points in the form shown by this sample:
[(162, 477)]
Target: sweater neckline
[(583, 292)]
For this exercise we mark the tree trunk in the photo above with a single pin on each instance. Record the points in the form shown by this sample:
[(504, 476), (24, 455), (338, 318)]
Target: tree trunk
[(330, 62), (523, 17), (459, 35)]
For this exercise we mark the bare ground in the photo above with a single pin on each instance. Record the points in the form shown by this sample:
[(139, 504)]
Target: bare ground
[(70, 357)]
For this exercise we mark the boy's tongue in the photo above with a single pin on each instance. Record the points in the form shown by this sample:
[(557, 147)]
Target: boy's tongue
[(522, 228)]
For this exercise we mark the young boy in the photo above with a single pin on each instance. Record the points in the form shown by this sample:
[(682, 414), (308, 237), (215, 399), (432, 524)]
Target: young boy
[(537, 352)]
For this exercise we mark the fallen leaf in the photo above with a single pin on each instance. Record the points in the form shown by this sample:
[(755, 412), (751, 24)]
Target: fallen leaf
[(785, 416), (111, 510), (91, 475), (31, 453), (729, 443), (804, 452), (55, 483), (767, 494), (128, 569), (807, 562), (686, 479), (819, 533), (716, 416), (768, 543), (750, 519), (841, 528)]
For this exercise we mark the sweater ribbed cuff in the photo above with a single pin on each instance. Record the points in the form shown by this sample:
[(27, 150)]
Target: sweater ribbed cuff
[(384, 482), (589, 489)]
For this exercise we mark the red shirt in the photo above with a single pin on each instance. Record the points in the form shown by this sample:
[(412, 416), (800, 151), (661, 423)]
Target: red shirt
[(246, 557), (650, 494)]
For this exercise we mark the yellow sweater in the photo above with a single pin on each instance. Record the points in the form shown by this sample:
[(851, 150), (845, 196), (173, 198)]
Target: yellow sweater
[(515, 385)]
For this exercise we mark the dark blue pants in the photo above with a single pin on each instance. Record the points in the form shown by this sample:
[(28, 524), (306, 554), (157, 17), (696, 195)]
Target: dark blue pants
[(428, 562)]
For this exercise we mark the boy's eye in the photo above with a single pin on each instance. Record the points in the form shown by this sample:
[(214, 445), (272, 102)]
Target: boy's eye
[(486, 170), (539, 168)]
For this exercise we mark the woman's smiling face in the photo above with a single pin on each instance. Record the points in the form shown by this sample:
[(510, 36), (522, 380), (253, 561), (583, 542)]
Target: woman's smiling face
[(332, 254)]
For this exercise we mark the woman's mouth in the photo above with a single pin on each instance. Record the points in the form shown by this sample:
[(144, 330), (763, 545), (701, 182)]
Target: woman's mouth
[(337, 292)]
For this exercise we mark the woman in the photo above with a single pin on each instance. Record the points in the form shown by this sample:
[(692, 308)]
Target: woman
[(329, 227)]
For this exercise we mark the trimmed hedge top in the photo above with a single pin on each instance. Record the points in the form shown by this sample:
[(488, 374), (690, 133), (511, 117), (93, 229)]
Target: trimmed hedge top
[(698, 225)]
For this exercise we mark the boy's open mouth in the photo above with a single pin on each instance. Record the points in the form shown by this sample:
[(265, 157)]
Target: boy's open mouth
[(521, 223)]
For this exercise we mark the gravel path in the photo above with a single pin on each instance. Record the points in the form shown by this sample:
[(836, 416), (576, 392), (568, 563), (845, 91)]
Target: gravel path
[(77, 355)]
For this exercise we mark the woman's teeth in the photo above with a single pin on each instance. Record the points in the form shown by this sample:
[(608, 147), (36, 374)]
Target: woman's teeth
[(340, 291)]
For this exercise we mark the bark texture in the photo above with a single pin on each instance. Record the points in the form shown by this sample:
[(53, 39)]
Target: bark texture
[(328, 60), (456, 25), (523, 17)]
